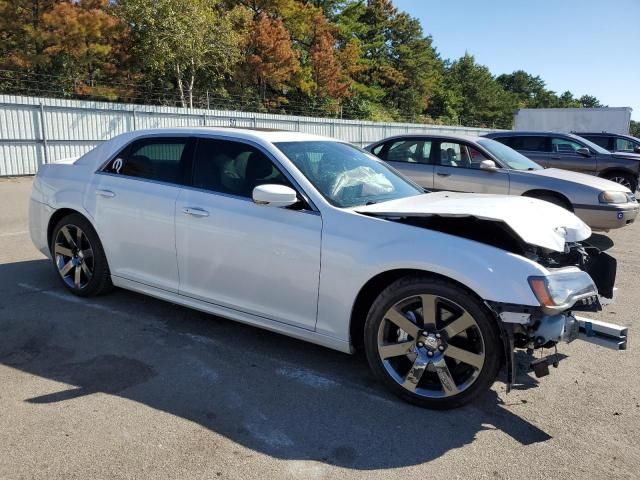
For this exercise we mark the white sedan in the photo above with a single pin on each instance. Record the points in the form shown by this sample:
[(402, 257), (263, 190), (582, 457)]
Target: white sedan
[(317, 239)]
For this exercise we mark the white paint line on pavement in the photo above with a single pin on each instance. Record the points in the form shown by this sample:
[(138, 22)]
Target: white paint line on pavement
[(307, 377), (14, 234)]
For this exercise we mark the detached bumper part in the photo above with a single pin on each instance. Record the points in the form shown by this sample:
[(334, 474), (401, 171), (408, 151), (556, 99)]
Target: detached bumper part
[(605, 334)]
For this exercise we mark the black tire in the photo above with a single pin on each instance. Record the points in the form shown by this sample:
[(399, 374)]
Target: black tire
[(99, 281), (552, 199), (622, 178), (447, 295)]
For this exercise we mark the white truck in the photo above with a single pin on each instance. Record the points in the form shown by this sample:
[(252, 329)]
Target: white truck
[(606, 119)]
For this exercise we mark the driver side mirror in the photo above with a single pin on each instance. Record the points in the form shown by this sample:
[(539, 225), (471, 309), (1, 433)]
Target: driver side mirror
[(274, 195), (584, 151), (636, 149), (489, 165)]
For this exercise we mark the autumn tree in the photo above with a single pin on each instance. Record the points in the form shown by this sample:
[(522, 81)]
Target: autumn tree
[(271, 60), (82, 40)]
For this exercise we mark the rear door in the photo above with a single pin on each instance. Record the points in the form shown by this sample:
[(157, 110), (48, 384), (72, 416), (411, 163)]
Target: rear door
[(411, 156), (564, 155), (458, 170), (534, 147), (133, 199)]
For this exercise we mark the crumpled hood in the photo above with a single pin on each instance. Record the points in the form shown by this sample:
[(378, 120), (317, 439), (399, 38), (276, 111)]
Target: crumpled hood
[(536, 222), (581, 178)]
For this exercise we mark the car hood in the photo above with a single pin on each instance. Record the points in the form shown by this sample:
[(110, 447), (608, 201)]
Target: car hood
[(536, 222), (627, 156), (581, 178)]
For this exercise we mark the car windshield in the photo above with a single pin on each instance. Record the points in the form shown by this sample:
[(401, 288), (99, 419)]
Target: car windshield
[(345, 175), (593, 146), (508, 156)]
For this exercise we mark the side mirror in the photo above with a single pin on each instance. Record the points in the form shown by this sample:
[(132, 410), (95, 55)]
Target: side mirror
[(274, 195), (489, 165), (584, 151), (636, 149)]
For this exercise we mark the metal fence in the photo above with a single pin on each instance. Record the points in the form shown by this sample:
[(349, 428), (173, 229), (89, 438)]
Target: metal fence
[(34, 131)]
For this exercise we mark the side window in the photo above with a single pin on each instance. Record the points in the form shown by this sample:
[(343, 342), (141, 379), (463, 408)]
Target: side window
[(409, 151), (460, 155), (377, 150), (604, 142), (564, 145), (531, 144), (234, 168), (624, 145), (151, 158)]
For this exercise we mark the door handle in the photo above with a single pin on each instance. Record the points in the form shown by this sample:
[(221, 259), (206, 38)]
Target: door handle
[(555, 157), (195, 212), (441, 174), (105, 193)]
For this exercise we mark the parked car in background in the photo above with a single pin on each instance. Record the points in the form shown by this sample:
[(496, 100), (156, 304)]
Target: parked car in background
[(614, 142), (481, 165), (438, 288), (571, 152)]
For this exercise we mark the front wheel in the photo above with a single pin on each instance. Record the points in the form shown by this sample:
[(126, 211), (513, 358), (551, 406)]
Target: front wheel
[(79, 258), (432, 342)]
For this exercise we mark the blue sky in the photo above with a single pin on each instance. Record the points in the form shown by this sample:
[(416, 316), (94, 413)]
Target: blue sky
[(585, 46)]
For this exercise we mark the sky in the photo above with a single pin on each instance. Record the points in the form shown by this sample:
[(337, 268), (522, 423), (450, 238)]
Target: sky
[(585, 46)]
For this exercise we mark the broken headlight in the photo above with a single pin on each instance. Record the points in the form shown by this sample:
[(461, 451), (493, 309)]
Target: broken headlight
[(562, 288)]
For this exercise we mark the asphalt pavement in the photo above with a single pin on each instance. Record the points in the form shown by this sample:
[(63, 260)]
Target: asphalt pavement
[(127, 386)]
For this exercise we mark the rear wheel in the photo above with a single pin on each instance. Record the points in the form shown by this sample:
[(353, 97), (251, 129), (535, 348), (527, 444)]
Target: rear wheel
[(79, 258), (432, 342), (623, 179)]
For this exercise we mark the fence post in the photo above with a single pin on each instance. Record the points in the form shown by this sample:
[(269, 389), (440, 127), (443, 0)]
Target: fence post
[(43, 133), (298, 124), (133, 113), (361, 133), (255, 122), (204, 115)]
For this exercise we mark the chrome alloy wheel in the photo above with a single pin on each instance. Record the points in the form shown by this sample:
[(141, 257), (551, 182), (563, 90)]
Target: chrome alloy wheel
[(622, 181), (73, 256), (431, 346)]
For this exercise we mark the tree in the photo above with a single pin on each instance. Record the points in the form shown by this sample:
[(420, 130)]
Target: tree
[(186, 41), (634, 129), (589, 101), (81, 40), (271, 61), (330, 81)]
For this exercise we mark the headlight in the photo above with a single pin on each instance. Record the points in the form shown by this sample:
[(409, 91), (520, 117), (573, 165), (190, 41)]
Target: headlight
[(613, 197), (562, 288)]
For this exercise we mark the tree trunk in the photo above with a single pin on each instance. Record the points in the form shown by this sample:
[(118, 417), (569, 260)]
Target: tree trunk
[(180, 87)]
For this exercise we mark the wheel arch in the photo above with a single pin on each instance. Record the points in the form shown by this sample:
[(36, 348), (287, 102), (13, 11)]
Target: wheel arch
[(537, 192), (618, 170), (375, 285), (59, 215)]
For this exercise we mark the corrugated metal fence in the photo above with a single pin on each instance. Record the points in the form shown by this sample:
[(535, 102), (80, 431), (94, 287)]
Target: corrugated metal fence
[(34, 131)]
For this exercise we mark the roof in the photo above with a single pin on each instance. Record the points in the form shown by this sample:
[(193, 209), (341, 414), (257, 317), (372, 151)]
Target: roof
[(517, 133), (264, 134), (454, 136)]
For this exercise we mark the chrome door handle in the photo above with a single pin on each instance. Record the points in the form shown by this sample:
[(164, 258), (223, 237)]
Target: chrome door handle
[(105, 193), (440, 174), (195, 212)]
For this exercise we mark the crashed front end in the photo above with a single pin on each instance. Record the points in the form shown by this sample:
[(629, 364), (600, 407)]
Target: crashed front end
[(580, 279), (576, 275)]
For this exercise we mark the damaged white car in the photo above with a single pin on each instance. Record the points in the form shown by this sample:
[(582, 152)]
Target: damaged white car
[(317, 239)]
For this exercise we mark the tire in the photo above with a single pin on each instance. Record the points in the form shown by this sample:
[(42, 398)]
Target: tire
[(83, 269), (625, 179), (420, 366), (552, 199)]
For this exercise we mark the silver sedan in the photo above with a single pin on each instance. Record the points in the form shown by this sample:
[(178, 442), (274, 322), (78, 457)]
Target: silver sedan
[(481, 165)]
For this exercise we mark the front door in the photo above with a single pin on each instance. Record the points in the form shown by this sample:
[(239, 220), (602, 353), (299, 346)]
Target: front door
[(564, 155), (458, 170), (133, 202), (235, 253)]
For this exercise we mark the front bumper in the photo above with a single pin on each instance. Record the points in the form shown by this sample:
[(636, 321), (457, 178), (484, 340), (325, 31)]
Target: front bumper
[(607, 217)]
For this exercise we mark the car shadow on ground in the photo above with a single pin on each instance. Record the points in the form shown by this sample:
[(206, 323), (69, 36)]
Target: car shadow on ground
[(275, 395)]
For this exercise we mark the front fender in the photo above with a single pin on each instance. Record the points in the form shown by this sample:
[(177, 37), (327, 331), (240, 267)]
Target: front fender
[(351, 257)]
